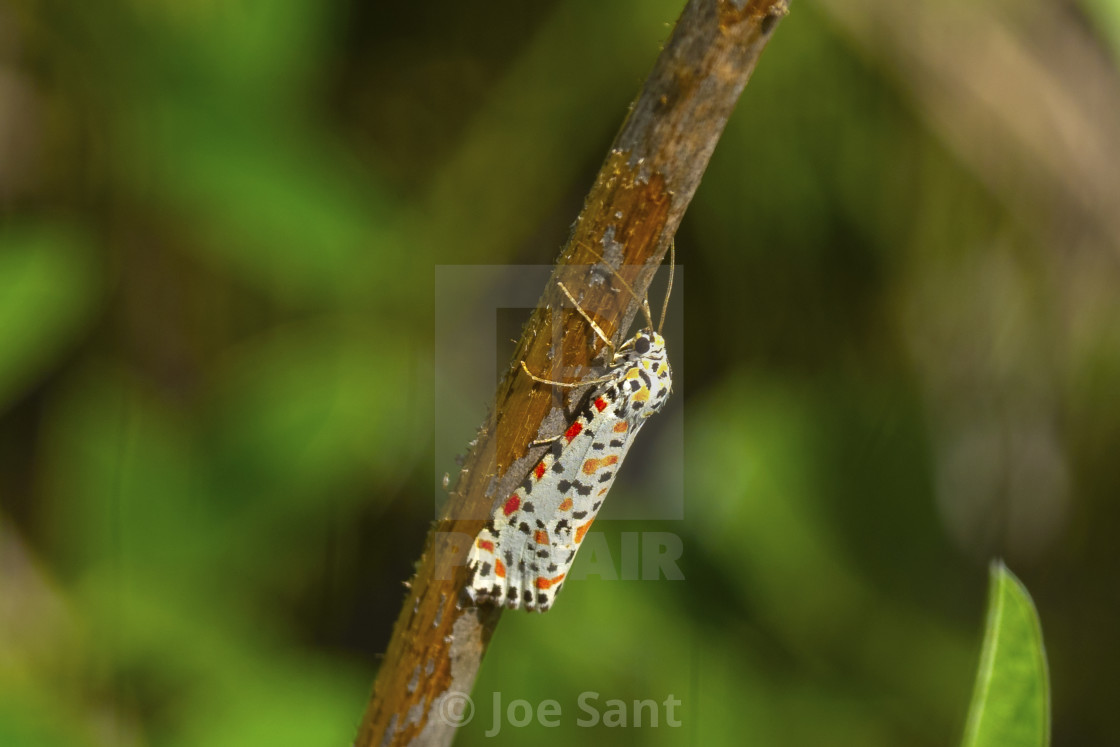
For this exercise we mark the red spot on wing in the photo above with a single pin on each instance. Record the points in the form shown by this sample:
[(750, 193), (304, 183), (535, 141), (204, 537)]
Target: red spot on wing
[(499, 568), (539, 470), (573, 431), (601, 404), (566, 504), (541, 537), (486, 545), (512, 504)]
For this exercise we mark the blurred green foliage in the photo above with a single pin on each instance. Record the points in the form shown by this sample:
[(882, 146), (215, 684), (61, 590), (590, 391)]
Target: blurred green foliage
[(48, 284), (219, 227)]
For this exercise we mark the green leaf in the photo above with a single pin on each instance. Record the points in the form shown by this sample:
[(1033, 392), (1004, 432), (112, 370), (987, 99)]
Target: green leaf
[(1011, 702)]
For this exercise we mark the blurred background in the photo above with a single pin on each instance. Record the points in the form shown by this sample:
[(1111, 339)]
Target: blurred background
[(220, 225)]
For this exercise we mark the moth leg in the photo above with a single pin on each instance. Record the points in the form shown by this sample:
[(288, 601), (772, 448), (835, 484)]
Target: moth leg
[(543, 441), (569, 384)]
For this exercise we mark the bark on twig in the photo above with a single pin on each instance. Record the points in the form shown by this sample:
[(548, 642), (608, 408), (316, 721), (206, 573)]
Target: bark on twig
[(629, 218)]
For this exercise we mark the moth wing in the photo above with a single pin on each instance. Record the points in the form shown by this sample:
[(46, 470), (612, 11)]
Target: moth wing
[(589, 474), (503, 555), (524, 554)]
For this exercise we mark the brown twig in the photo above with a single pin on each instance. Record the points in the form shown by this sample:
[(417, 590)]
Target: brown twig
[(631, 214)]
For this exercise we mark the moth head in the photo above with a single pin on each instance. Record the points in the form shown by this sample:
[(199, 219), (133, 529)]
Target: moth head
[(648, 342)]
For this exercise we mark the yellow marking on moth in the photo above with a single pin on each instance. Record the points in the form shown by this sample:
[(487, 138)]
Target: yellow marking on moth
[(591, 466), (582, 530), (544, 583)]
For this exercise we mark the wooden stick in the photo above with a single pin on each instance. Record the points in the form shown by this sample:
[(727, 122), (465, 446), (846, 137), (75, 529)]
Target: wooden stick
[(635, 205)]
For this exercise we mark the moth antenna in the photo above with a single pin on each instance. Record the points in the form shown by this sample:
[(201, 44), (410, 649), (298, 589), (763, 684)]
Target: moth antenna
[(645, 308), (629, 289), (669, 289)]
